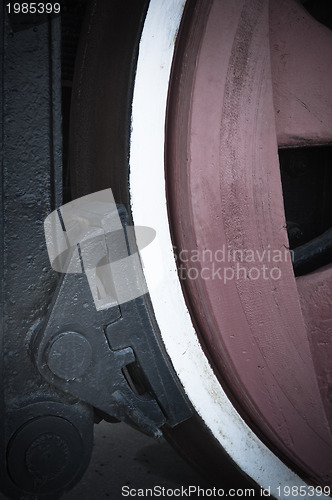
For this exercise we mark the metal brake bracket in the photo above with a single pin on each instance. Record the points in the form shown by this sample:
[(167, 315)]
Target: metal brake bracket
[(99, 341)]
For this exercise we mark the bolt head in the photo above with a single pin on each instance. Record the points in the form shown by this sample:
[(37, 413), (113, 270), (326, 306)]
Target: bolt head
[(69, 356)]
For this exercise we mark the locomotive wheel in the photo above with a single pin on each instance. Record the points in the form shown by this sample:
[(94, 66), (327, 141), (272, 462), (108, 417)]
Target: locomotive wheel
[(204, 173)]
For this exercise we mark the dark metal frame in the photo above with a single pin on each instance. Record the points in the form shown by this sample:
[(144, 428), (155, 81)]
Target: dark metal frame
[(63, 364)]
